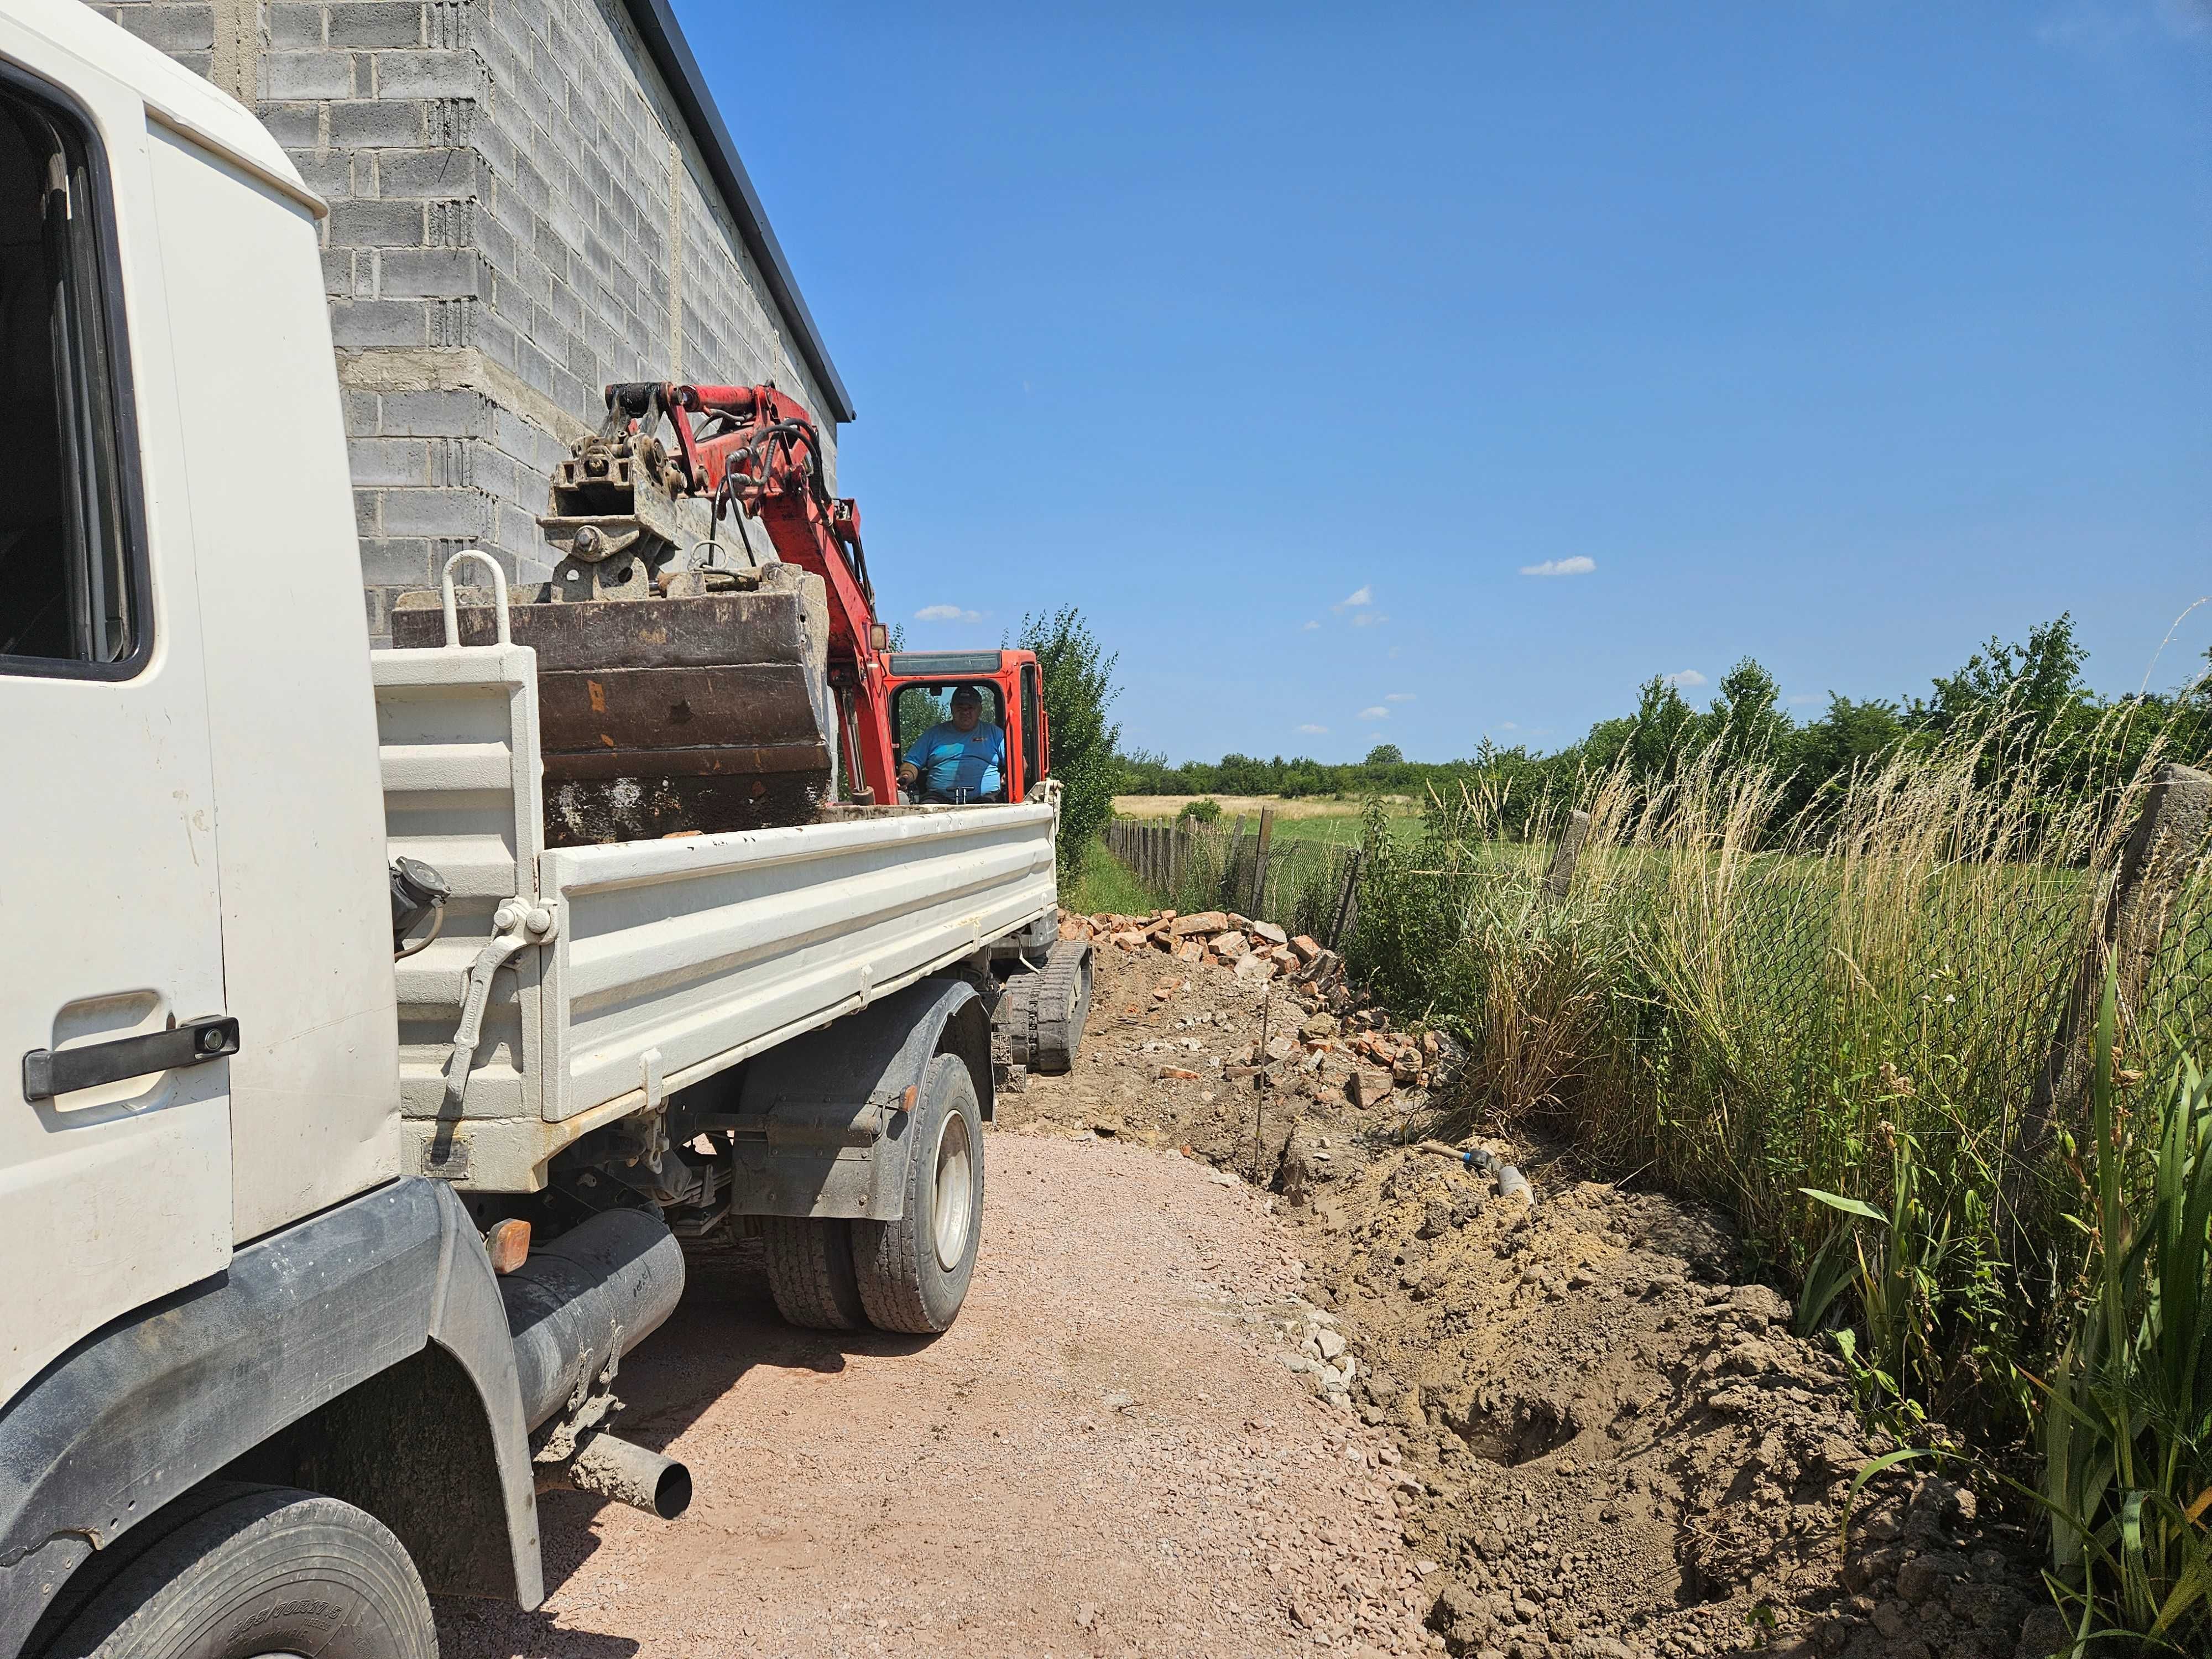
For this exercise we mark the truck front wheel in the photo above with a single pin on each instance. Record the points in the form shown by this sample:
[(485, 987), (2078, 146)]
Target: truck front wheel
[(913, 1271), (270, 1572)]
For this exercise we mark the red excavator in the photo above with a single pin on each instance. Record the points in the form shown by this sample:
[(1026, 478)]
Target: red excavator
[(692, 680)]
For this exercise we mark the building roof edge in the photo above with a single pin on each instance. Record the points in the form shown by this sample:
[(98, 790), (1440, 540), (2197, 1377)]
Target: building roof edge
[(671, 55)]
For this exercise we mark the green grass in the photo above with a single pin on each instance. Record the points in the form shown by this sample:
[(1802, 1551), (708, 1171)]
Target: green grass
[(1104, 884), (1338, 829)]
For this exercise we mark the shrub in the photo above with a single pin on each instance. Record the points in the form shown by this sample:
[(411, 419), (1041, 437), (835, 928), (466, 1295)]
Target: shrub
[(1078, 689), (1204, 811)]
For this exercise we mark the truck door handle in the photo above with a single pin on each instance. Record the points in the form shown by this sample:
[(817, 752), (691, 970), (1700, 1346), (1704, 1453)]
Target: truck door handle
[(47, 1074)]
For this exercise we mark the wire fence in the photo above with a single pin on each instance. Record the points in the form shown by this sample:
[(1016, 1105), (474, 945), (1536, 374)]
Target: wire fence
[(1999, 964), (1303, 886)]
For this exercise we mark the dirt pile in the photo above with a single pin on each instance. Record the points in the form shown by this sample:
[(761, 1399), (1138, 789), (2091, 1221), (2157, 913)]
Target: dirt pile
[(1604, 1445)]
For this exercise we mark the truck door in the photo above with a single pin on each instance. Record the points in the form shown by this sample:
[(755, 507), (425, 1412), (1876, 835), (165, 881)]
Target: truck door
[(115, 1122), (1035, 758)]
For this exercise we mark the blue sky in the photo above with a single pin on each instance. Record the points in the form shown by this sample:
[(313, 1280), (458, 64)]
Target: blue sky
[(1289, 343)]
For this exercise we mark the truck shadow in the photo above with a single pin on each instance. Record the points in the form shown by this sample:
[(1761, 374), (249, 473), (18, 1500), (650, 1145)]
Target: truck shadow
[(726, 1325)]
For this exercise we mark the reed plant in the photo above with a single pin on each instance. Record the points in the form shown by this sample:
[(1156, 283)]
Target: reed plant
[(2126, 1415)]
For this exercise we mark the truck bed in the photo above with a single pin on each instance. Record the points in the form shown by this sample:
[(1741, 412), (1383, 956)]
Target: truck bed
[(668, 961)]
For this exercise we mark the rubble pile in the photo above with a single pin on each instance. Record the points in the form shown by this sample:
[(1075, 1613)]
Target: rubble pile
[(1344, 1049)]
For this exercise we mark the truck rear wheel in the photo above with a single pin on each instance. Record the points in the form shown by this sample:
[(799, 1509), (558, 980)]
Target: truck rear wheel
[(809, 1273), (913, 1271), (270, 1572)]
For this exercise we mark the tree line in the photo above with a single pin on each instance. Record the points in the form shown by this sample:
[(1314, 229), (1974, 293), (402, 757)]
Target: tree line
[(2028, 699)]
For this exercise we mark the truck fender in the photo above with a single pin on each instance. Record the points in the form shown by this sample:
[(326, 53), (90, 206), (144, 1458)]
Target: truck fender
[(378, 1321), (821, 1128)]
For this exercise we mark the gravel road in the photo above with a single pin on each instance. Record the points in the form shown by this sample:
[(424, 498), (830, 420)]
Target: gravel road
[(1104, 1456)]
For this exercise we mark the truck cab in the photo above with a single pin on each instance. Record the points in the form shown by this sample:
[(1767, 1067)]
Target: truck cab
[(918, 683)]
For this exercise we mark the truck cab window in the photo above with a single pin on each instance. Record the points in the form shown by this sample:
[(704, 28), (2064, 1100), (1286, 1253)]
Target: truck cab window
[(68, 591)]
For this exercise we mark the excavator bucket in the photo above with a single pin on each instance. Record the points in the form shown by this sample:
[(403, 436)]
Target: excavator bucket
[(692, 712), (672, 699)]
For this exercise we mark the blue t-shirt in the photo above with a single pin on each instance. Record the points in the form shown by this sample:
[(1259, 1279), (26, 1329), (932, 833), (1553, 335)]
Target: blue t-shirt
[(957, 766)]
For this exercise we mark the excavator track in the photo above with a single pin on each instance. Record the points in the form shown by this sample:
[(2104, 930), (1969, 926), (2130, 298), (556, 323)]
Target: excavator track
[(1042, 1013)]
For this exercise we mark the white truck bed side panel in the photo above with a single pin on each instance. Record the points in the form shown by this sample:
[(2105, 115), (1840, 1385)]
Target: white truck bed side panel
[(683, 956)]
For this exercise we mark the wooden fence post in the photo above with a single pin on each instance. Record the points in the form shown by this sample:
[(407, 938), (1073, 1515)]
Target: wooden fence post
[(1260, 863), (1344, 902), (2160, 852), (1236, 858), (1560, 877)]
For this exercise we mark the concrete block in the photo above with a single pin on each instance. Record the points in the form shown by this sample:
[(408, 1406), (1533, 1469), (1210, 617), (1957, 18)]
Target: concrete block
[(375, 224), (295, 126), (395, 124), (448, 513), (436, 414), (356, 324), (367, 513), (376, 23), (443, 174), (429, 74), (433, 272), (329, 174), (362, 414), (171, 26), (377, 461), (291, 27), (518, 532), (453, 322), (398, 563), (307, 75)]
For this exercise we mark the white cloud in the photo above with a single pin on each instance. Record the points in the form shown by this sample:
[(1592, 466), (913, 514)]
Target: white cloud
[(946, 613), (1352, 601), (1687, 676), (1313, 731), (1802, 699), (1508, 725), (1577, 566), (1308, 628), (1369, 619), (1399, 696), (1378, 713)]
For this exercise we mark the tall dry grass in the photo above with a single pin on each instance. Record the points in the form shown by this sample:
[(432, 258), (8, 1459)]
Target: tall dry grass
[(1741, 1006)]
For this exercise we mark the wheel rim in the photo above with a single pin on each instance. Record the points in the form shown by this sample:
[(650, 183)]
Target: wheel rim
[(952, 1203)]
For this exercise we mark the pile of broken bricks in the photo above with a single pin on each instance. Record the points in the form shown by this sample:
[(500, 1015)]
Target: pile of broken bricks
[(1256, 949), (1344, 1050)]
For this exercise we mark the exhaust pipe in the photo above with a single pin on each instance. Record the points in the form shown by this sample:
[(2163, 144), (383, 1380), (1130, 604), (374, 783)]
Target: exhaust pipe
[(587, 1299), (611, 1467)]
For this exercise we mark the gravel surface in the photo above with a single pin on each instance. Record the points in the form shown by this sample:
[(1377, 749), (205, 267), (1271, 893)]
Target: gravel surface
[(1106, 1455)]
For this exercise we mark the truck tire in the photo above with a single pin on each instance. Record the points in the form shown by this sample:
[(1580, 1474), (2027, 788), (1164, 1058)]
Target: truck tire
[(913, 1271), (270, 1571), (809, 1273)]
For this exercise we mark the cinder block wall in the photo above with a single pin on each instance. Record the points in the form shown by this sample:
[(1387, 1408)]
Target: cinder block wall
[(519, 214)]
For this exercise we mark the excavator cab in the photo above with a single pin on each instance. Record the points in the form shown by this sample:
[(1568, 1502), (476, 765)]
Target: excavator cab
[(919, 684)]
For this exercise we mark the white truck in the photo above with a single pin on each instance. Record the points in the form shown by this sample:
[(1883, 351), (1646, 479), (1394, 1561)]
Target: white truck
[(317, 1268)]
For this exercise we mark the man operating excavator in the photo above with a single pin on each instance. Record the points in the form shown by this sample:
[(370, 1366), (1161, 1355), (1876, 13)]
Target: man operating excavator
[(959, 760)]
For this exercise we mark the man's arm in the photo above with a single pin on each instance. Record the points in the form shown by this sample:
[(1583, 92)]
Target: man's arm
[(910, 765)]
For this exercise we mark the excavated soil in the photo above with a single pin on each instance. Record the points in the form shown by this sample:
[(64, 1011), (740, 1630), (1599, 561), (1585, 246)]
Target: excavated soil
[(1606, 1444)]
